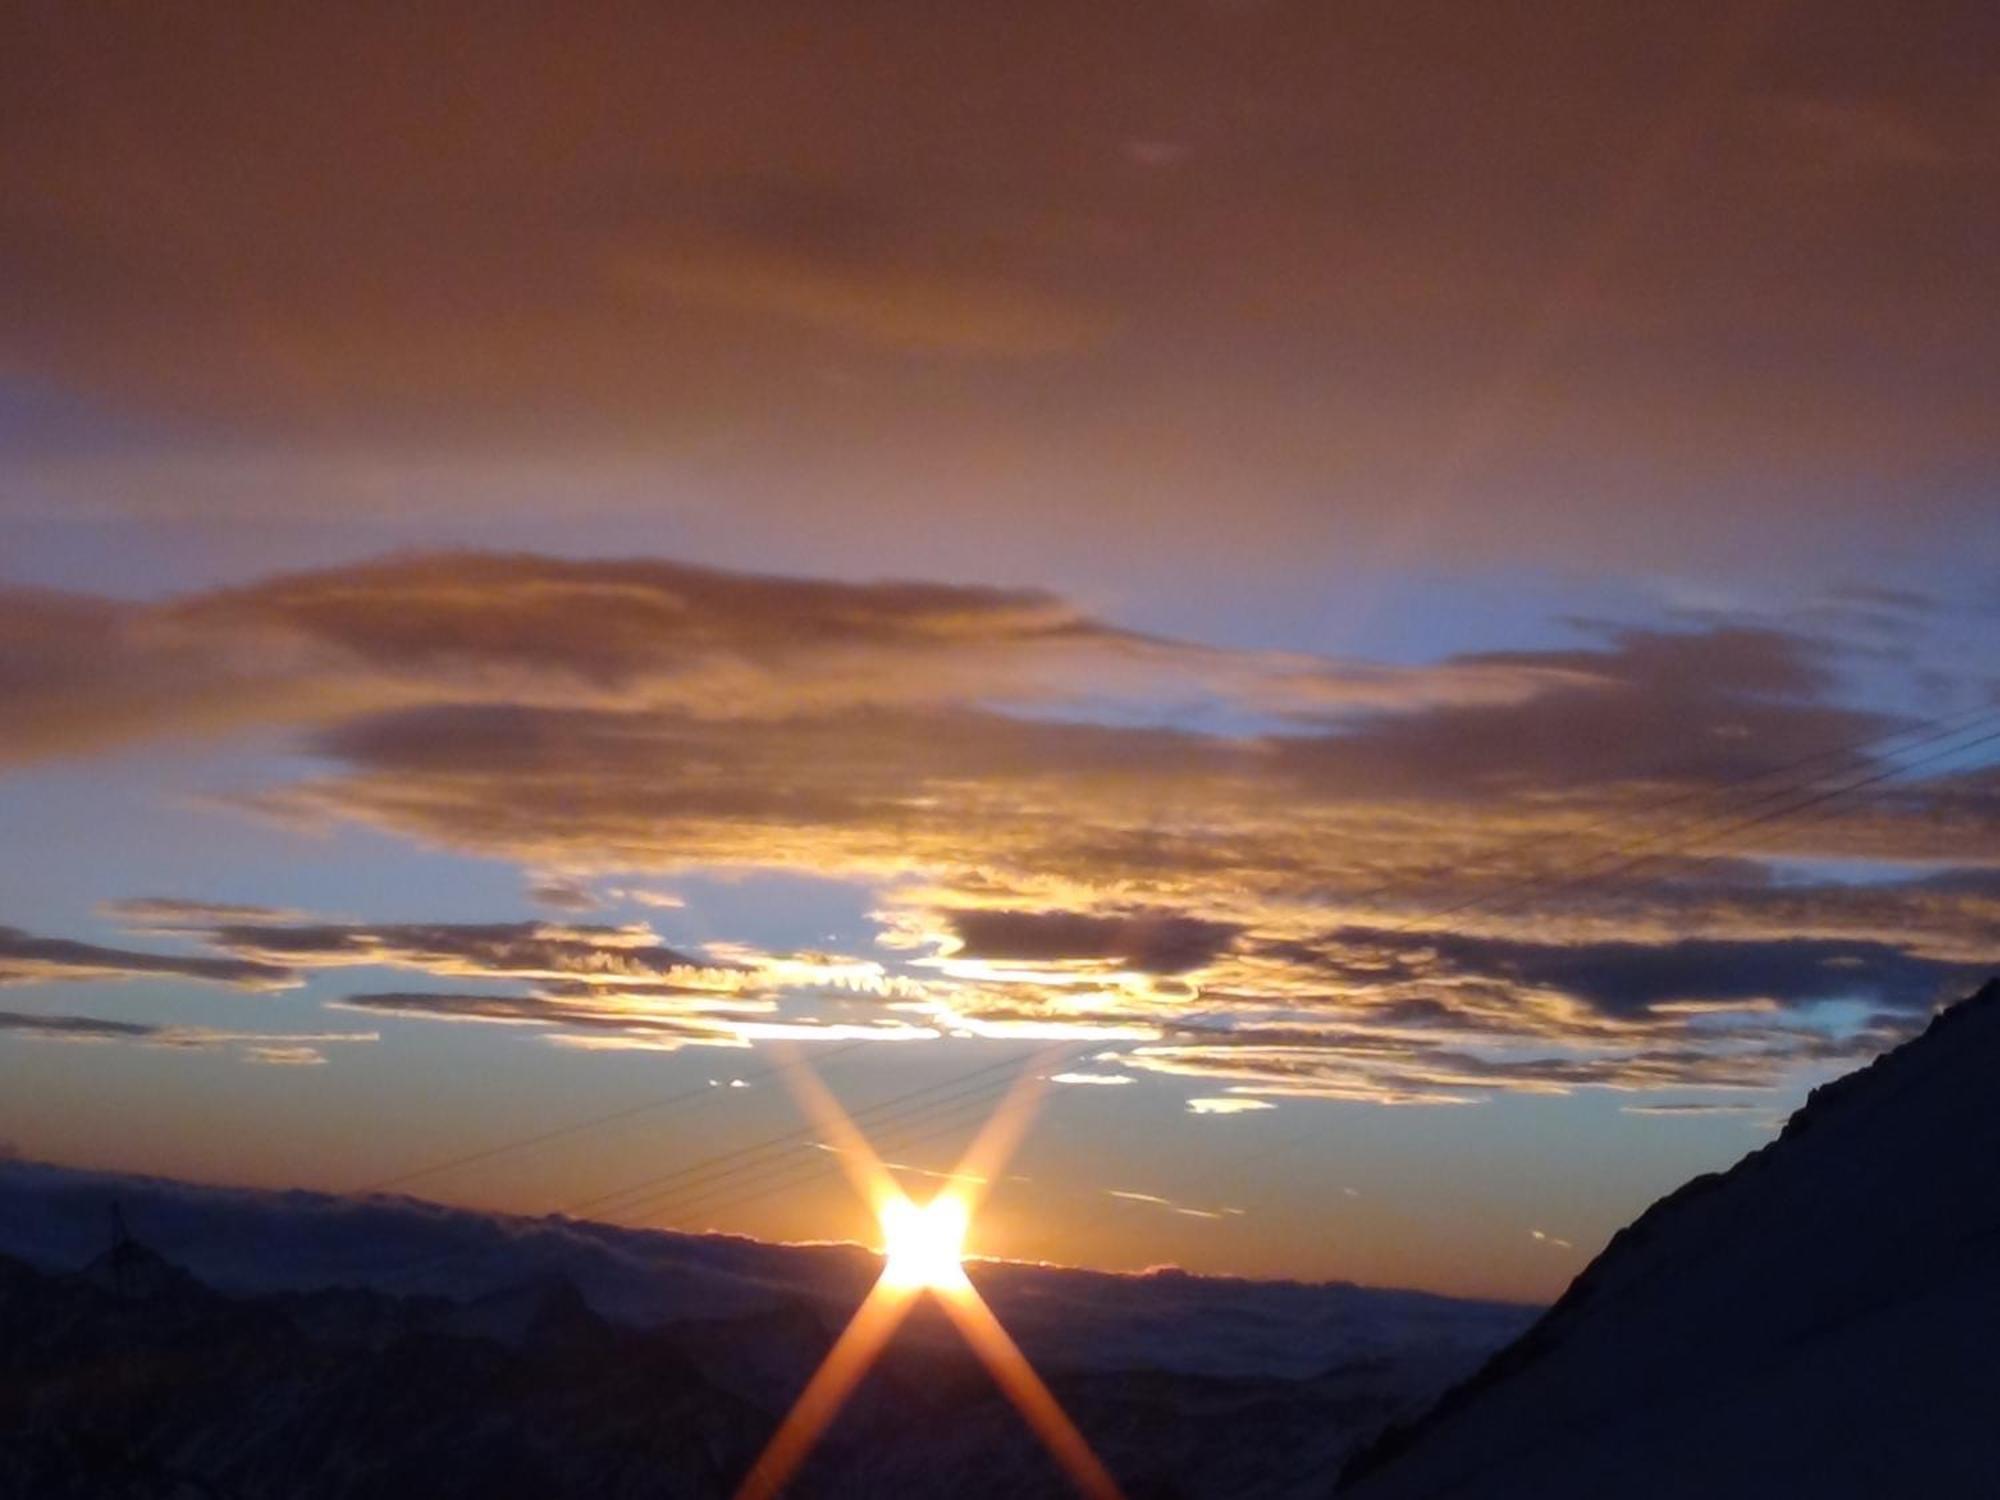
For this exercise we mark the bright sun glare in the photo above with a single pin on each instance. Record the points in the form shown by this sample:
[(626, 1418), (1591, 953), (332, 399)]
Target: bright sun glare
[(925, 1244)]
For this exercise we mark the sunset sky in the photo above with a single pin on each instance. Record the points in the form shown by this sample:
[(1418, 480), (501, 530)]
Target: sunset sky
[(1406, 598)]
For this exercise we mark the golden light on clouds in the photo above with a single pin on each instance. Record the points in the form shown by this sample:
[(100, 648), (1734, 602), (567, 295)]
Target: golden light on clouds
[(1245, 902)]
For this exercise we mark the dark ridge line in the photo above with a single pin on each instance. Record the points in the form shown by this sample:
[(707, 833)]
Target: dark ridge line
[(1832, 1097)]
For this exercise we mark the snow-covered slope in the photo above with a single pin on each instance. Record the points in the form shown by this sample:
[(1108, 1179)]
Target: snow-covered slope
[(1823, 1319)]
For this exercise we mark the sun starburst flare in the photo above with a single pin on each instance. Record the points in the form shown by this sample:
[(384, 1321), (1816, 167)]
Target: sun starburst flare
[(924, 1248)]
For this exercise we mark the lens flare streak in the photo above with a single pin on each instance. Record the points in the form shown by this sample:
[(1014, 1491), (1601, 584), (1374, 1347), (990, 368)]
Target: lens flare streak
[(850, 1358), (924, 1245)]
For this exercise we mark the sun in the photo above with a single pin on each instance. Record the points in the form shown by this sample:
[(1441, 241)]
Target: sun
[(924, 1248), (925, 1244)]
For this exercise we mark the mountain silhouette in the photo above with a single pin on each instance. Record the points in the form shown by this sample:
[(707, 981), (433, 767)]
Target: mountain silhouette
[(1822, 1319), (132, 1379)]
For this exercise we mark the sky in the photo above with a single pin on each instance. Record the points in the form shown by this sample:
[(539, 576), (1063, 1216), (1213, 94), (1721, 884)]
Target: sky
[(1400, 601)]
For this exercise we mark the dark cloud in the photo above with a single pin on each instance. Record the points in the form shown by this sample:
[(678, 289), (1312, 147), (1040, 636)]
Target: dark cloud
[(83, 672), (532, 1010), (1697, 707), (27, 959), (564, 895), (1519, 282), (592, 985), (473, 628), (1382, 1068), (80, 673), (79, 1027), (1427, 795), (1094, 880), (539, 1010), (514, 950), (1152, 942), (1632, 979), (612, 623), (590, 1018)]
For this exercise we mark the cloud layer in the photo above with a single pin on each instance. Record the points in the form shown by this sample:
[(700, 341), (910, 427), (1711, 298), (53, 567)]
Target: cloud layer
[(28, 959), (1653, 861), (1435, 280), (530, 632)]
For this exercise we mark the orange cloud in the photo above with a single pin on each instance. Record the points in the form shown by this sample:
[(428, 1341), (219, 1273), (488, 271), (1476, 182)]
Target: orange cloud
[(326, 647), (1385, 889)]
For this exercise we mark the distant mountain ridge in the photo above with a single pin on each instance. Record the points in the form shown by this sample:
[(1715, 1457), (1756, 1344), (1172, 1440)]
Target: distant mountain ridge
[(242, 1240), (1822, 1319), (131, 1379), (116, 1386), (574, 1360)]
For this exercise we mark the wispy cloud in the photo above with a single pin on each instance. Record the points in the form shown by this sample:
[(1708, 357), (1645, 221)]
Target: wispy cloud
[(180, 914), (1692, 1108), (269, 1048), (592, 955), (1091, 1078), (1154, 1200), (1229, 1104), (28, 959)]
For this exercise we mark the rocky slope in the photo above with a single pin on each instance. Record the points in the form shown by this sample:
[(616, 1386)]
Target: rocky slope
[(1823, 1319)]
